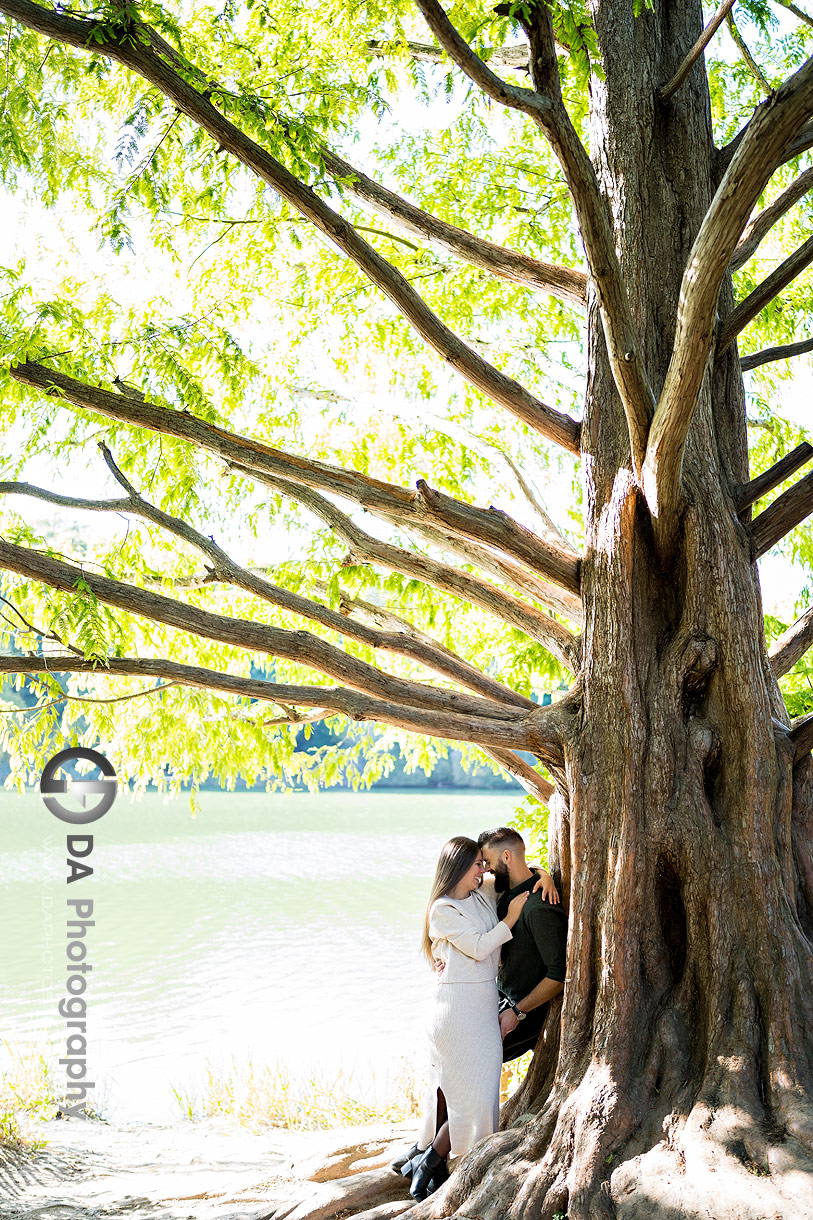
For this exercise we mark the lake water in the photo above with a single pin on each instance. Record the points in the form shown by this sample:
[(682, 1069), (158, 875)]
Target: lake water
[(282, 929)]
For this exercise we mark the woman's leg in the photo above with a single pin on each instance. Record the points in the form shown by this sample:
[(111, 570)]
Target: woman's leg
[(442, 1142)]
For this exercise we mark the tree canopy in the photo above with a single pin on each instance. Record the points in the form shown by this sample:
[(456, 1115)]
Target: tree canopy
[(165, 267)]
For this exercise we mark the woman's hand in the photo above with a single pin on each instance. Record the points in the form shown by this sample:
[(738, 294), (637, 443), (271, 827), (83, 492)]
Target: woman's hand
[(545, 884), (515, 908)]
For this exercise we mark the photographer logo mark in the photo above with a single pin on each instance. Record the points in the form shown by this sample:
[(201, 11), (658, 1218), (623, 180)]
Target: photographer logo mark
[(52, 788)]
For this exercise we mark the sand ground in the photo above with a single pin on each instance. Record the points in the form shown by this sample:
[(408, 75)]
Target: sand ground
[(207, 1170)]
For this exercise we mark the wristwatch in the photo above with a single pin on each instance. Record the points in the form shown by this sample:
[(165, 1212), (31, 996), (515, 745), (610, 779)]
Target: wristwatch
[(518, 1013)]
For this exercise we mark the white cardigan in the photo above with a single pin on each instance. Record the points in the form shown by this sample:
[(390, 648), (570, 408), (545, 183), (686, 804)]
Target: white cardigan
[(466, 936)]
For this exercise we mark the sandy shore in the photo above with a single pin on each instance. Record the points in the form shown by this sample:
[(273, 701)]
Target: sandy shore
[(207, 1170)]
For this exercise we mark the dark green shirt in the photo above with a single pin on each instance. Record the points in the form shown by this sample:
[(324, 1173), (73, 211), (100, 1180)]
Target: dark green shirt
[(538, 947)]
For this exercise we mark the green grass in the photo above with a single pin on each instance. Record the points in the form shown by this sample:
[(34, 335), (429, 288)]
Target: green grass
[(264, 1096), (271, 1096), (28, 1091)]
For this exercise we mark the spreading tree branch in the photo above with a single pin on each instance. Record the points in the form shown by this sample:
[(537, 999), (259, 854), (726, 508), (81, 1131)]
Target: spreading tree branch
[(697, 50), (519, 579), (769, 354), (764, 293), (356, 607), (133, 45), (491, 450), (302, 647), (800, 143), (387, 500), (545, 106), (366, 549), (566, 283), (748, 493), (792, 645), (329, 700), (801, 734), (767, 218), (774, 124), (782, 516), (522, 771), (225, 569), (494, 453)]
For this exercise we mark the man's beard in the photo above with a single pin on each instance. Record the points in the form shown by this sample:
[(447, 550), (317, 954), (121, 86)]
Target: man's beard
[(502, 880)]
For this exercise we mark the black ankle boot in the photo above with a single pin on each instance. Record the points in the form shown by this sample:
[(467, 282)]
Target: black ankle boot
[(424, 1170), (403, 1163), (439, 1176)]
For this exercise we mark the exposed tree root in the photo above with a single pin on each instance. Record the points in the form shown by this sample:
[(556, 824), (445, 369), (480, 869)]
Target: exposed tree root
[(343, 1196), (385, 1211)]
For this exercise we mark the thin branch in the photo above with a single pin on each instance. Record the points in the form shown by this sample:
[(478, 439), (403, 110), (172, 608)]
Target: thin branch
[(357, 706), (546, 107), (302, 647), (747, 57), (764, 293), (792, 646), (131, 44), (767, 218), (522, 771), (774, 124), (564, 282), (389, 236), (37, 631), (515, 58), (780, 517), (748, 493), (423, 52), (697, 50), (769, 354), (797, 12), (387, 500), (225, 569), (66, 698), (365, 549), (293, 717)]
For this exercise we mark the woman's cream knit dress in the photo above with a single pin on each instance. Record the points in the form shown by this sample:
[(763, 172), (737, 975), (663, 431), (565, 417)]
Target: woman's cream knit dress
[(464, 1031)]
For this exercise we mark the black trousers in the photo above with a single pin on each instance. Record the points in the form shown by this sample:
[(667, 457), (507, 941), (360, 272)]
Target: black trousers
[(526, 1035)]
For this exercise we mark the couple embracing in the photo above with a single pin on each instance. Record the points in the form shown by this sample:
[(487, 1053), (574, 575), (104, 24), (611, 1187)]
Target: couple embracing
[(498, 945)]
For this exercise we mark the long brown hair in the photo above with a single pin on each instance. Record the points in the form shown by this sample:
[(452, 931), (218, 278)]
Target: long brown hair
[(456, 858)]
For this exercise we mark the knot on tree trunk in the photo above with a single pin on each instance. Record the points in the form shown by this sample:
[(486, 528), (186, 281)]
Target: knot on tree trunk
[(699, 662)]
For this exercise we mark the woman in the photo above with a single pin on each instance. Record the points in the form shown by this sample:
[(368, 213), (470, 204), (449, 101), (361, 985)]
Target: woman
[(461, 930)]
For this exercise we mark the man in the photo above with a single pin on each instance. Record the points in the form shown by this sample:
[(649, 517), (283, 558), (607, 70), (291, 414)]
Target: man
[(532, 967)]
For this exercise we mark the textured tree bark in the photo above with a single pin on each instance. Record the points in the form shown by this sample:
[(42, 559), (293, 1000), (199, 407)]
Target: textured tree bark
[(675, 1080)]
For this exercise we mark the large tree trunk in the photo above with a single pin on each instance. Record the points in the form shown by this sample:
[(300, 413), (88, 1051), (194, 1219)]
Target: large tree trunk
[(685, 1055)]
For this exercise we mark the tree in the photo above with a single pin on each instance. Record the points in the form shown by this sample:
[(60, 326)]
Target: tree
[(677, 1080)]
